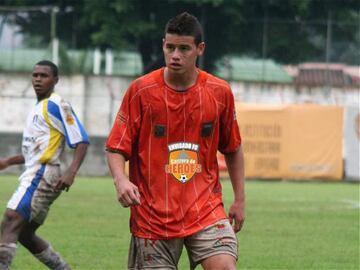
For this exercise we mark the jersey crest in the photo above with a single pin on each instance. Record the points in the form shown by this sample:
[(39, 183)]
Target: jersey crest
[(183, 161), (68, 113)]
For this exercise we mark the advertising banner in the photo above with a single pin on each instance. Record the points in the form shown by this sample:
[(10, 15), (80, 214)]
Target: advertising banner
[(291, 141)]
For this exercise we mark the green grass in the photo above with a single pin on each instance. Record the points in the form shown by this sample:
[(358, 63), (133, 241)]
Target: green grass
[(289, 225)]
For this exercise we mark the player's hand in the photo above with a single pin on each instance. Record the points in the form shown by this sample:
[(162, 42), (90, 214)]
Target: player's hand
[(3, 164), (65, 181), (237, 215), (127, 193)]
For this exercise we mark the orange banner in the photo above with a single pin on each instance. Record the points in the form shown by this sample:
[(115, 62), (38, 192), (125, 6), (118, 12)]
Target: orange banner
[(292, 141)]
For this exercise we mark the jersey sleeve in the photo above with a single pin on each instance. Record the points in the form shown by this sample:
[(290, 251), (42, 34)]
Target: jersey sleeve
[(230, 138), (63, 118), (126, 125)]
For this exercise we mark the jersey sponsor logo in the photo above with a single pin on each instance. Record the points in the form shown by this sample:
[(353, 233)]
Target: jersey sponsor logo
[(183, 161), (70, 119), (68, 112)]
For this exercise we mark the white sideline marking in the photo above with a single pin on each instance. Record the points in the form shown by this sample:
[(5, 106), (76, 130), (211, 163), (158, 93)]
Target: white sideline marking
[(352, 203)]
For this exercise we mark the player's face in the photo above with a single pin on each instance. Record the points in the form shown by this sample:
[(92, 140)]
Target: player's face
[(181, 52), (43, 81)]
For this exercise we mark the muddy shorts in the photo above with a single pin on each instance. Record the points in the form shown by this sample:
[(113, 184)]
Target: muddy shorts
[(218, 238), (35, 193)]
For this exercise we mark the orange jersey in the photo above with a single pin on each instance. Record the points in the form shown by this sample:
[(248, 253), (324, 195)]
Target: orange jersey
[(171, 139)]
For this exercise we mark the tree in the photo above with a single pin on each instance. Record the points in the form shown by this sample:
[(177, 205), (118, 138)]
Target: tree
[(140, 24), (284, 30)]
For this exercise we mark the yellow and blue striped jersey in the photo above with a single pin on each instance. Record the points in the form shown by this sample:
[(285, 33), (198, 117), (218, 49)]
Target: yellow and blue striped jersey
[(51, 122)]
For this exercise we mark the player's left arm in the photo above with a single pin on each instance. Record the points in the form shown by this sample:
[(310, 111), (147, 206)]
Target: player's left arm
[(235, 165), (67, 179), (13, 160), (76, 138)]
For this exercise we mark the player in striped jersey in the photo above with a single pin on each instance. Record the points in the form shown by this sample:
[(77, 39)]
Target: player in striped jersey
[(50, 123), (170, 125)]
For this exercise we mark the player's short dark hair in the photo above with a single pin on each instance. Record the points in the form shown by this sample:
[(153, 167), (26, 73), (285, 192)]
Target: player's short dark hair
[(50, 64), (185, 24)]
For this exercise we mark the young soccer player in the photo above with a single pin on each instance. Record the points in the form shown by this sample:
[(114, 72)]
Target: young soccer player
[(170, 125), (49, 124)]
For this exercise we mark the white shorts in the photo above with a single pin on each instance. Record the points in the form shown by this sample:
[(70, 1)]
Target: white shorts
[(35, 193)]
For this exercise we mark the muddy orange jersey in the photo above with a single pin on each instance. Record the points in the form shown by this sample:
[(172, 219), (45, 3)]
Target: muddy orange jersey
[(171, 139)]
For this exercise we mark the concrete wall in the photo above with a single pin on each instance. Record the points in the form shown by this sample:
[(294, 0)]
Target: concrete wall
[(96, 100), (94, 163), (250, 92), (10, 145), (102, 96)]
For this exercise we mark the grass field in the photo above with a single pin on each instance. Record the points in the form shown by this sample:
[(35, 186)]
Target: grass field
[(289, 225)]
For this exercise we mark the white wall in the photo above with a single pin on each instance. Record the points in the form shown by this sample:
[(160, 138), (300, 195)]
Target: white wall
[(96, 99), (287, 93), (17, 97), (352, 142), (103, 97)]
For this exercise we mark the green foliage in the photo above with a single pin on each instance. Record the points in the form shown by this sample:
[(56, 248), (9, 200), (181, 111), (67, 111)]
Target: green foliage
[(289, 225), (286, 31)]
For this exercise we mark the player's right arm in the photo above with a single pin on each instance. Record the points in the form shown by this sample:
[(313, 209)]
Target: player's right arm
[(127, 193), (119, 145), (14, 160)]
